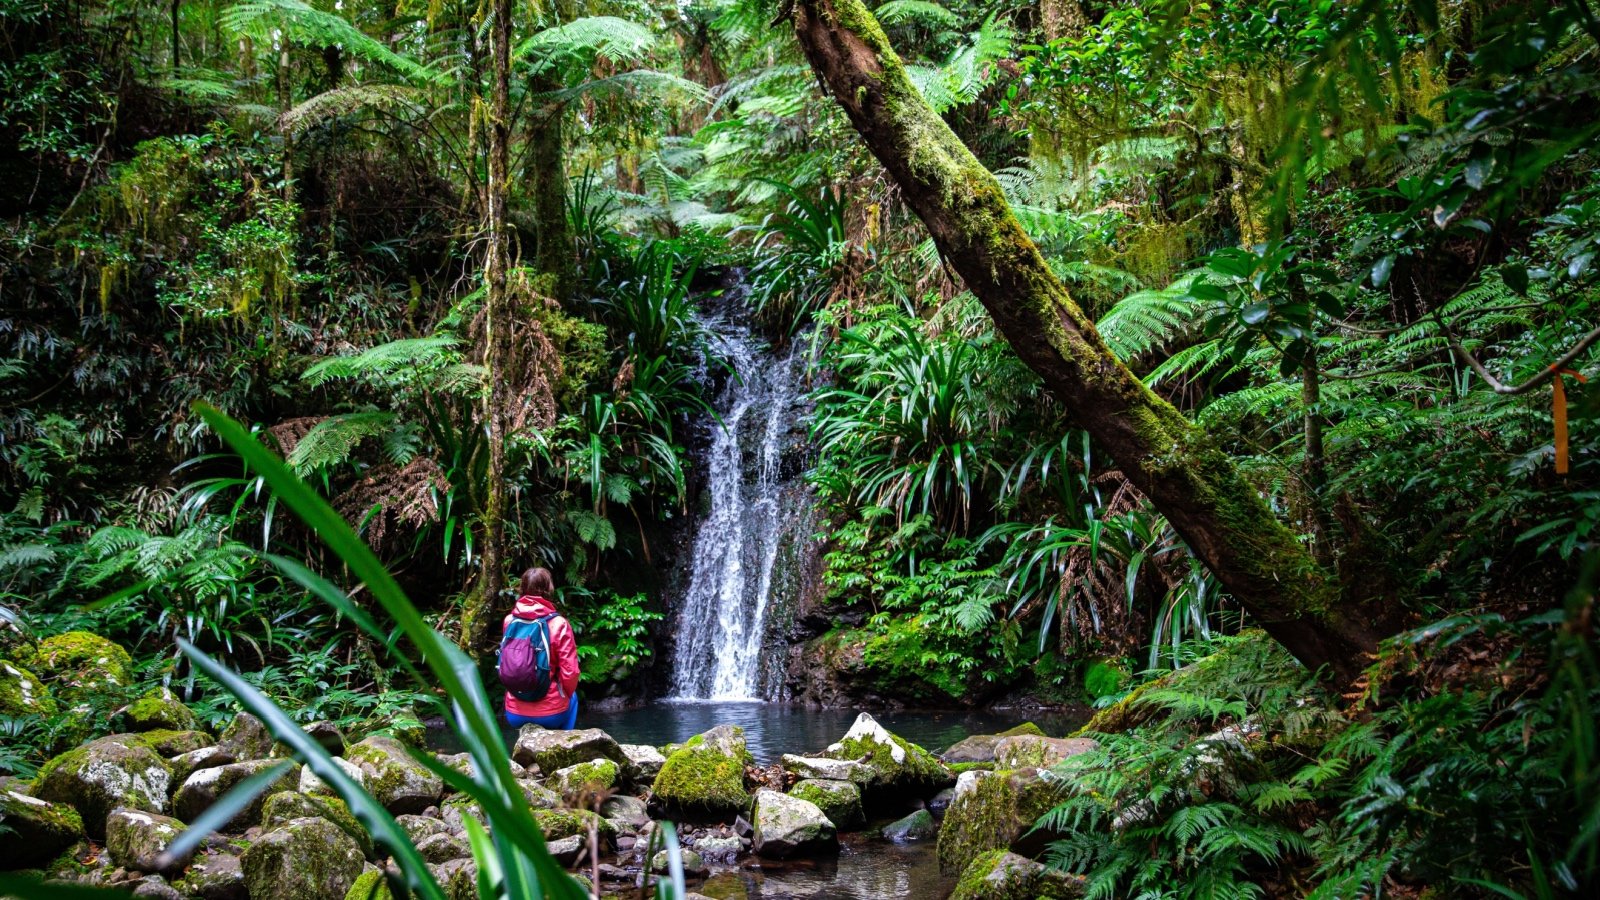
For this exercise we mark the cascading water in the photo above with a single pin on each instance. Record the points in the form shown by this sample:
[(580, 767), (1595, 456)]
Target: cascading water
[(722, 624)]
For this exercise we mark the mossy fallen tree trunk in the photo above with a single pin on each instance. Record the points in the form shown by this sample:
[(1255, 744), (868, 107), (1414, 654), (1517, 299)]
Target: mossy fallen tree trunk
[(1188, 478)]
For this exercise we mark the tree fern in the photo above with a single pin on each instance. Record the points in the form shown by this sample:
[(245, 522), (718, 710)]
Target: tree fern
[(386, 363), (341, 102), (1148, 320), (617, 41), (264, 21), (917, 12), (333, 439)]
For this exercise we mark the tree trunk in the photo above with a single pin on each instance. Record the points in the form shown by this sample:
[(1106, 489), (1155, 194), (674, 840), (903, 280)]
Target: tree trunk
[(1186, 476), (477, 633), (547, 182)]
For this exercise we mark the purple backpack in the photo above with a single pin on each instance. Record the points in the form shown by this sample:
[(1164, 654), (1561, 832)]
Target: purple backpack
[(525, 658)]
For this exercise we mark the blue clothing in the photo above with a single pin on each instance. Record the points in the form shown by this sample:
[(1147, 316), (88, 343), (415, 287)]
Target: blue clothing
[(563, 721)]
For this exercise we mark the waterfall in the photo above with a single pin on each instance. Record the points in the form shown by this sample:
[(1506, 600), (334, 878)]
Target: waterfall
[(722, 624)]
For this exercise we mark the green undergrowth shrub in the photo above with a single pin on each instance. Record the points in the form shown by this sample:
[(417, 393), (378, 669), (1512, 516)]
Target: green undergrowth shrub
[(1246, 778)]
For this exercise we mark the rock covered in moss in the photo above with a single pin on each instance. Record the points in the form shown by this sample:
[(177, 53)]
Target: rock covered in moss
[(328, 735), (918, 826), (304, 859), (246, 738), (186, 764), (559, 823), (102, 775), (80, 666), (458, 877), (840, 801), (585, 777), (896, 764), (785, 825), (37, 830), (1035, 751), (826, 769), (311, 784), (167, 742), (158, 708), (214, 876), (137, 839), (995, 810), (694, 865), (285, 806), (644, 762), (979, 748), (22, 693), (419, 827), (555, 750), (1003, 875), (438, 848), (204, 787), (393, 777), (370, 885), (706, 773)]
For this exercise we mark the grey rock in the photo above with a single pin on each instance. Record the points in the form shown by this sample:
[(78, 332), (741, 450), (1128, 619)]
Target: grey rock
[(1032, 751), (398, 782), (693, 865), (625, 809), (203, 788), (310, 783), (215, 876), (567, 850), (102, 775), (186, 764), (788, 826), (155, 886), (644, 762), (419, 827), (246, 738), (137, 840), (840, 801), (825, 769), (553, 750), (328, 735), (438, 848), (302, 859), (918, 826)]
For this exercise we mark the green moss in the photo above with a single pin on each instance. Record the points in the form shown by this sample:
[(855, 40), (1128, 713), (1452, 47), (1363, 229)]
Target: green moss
[(698, 777), (81, 666), (840, 801), (1024, 728), (595, 775), (23, 694), (307, 859), (958, 768), (286, 806), (169, 742), (157, 709), (560, 823), (370, 886), (36, 830), (990, 815)]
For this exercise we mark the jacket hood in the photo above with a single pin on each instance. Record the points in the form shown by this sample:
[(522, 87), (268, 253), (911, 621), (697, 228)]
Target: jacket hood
[(531, 607)]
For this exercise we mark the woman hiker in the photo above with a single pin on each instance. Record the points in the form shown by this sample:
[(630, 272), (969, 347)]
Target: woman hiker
[(539, 658)]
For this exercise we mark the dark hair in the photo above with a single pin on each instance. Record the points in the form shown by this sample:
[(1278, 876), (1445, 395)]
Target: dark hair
[(536, 582)]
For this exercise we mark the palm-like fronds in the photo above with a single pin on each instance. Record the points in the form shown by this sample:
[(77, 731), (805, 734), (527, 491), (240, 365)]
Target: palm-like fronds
[(299, 22)]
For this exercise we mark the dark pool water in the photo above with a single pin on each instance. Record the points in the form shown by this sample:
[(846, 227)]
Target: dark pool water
[(865, 869), (773, 729)]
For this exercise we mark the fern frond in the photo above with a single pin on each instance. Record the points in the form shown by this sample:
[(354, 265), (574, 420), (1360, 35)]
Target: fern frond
[(341, 102), (384, 361), (303, 24), (918, 12), (616, 40), (334, 438)]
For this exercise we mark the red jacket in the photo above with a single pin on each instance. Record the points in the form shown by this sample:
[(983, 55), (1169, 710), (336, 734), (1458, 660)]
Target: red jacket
[(563, 662)]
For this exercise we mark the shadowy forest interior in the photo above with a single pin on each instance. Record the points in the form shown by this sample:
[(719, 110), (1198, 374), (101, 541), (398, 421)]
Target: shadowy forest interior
[(1189, 400)]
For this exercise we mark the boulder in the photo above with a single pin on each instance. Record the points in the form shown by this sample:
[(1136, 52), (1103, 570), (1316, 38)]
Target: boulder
[(995, 810), (826, 769), (787, 826), (156, 888), (458, 877), (286, 806), (185, 764), (80, 666), (559, 823), (567, 850), (246, 738), (305, 859), (537, 795), (328, 735), (979, 748), (159, 708), (1003, 875), (840, 801), (311, 784), (37, 831), (644, 762), (137, 839), (590, 777), (438, 848), (941, 801), (166, 742), (553, 750), (722, 850), (625, 810), (22, 693), (205, 787), (897, 765), (706, 773), (419, 827), (393, 777), (214, 876), (1037, 752), (918, 826), (102, 775)]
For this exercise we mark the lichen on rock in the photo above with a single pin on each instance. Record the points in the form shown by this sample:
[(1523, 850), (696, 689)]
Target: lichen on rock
[(102, 775), (22, 693), (785, 825), (1003, 875), (994, 810), (137, 840), (840, 801), (393, 777), (38, 829), (585, 777), (80, 666), (896, 764), (204, 787), (304, 859), (553, 750)]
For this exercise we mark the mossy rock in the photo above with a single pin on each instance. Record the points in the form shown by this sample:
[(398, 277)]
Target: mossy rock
[(1033, 751), (369, 885), (995, 810), (304, 859), (784, 825), (957, 768), (585, 777), (80, 666), (102, 775), (158, 709), (552, 751), (246, 738), (706, 774), (167, 742), (560, 823), (840, 801), (897, 764), (1003, 875), (286, 806), (137, 840), (214, 876), (917, 826), (393, 777), (37, 830), (22, 693), (206, 786)]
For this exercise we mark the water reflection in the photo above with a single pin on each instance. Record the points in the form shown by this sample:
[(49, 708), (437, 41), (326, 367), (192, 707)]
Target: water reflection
[(863, 871)]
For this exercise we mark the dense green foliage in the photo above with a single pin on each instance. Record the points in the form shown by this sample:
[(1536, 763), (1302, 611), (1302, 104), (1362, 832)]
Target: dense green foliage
[(1348, 238)]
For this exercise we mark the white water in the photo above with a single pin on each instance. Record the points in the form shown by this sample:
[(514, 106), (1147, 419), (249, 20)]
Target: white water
[(723, 617)]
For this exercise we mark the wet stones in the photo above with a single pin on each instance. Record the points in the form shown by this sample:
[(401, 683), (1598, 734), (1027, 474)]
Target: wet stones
[(1003, 875), (393, 777), (840, 801), (706, 774), (138, 840), (554, 750), (304, 859), (39, 830), (785, 825)]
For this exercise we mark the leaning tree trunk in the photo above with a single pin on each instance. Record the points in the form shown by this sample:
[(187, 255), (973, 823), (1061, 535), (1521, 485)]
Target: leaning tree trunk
[(1188, 478)]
